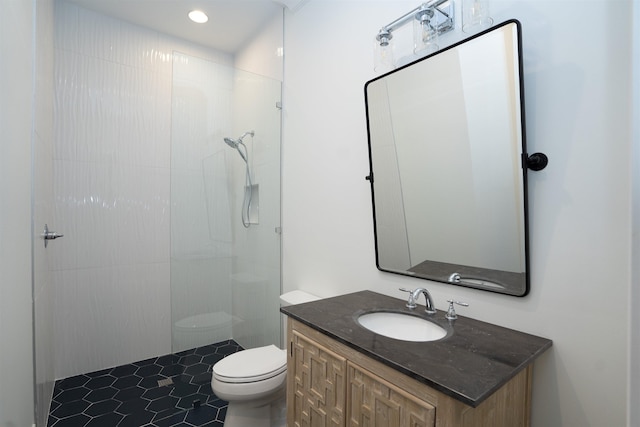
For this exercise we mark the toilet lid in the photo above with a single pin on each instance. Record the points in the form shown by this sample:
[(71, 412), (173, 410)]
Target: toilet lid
[(251, 365)]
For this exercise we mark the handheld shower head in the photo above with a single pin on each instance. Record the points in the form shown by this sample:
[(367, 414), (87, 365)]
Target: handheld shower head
[(246, 204), (231, 142), (234, 143)]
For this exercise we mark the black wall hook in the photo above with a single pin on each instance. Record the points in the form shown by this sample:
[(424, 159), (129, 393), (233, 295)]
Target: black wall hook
[(537, 161)]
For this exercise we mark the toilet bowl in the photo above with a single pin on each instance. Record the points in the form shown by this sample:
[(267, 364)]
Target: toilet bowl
[(253, 381)]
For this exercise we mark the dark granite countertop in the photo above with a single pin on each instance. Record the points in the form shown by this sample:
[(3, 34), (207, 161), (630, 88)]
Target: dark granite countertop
[(469, 364)]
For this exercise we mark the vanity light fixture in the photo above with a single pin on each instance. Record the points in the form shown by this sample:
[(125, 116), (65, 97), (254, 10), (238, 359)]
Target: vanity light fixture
[(475, 16), (430, 19), (383, 52), (198, 16), (425, 34)]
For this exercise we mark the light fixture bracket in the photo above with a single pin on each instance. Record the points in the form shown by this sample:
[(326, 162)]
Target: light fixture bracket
[(439, 13), (384, 36)]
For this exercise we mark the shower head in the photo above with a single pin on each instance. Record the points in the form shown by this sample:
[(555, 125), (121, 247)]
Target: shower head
[(234, 143), (231, 142)]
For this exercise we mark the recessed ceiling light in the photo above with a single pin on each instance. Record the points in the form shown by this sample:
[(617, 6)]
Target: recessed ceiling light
[(198, 16)]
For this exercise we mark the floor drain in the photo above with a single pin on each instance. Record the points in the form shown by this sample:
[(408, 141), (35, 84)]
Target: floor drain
[(165, 382)]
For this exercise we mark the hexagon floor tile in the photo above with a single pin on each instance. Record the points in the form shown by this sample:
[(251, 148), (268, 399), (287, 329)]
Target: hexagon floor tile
[(167, 391)]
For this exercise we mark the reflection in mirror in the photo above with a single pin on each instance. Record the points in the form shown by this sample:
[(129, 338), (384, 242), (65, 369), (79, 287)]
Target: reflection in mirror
[(446, 142)]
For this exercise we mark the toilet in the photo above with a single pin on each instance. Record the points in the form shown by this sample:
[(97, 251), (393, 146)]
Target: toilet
[(253, 381)]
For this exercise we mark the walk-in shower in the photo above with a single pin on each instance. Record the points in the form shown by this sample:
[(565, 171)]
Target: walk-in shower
[(132, 146), (248, 187)]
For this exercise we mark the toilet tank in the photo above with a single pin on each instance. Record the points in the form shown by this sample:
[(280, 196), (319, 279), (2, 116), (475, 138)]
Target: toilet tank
[(296, 297), (292, 298)]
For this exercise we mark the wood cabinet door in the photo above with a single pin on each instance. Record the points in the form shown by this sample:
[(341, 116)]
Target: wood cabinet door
[(374, 402), (316, 385)]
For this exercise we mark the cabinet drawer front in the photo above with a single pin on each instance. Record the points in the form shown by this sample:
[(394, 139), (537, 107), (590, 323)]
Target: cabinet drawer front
[(374, 402), (319, 383)]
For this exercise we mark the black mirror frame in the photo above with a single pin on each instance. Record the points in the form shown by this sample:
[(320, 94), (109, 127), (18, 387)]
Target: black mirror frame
[(535, 162)]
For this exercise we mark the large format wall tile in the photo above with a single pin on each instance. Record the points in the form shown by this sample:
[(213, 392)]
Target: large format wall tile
[(112, 107), (118, 108)]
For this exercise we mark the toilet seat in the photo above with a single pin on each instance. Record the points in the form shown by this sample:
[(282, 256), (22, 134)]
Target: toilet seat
[(250, 366)]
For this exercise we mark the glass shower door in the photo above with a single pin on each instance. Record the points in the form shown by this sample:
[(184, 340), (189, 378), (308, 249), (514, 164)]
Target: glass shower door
[(225, 277)]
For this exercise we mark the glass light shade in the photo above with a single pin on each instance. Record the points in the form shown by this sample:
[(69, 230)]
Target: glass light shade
[(425, 36), (476, 15), (383, 60)]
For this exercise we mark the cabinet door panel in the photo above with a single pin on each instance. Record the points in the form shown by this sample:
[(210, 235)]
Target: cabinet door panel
[(319, 384), (373, 402)]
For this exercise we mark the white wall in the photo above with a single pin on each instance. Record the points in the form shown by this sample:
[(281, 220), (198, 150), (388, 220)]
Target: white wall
[(577, 109), (201, 240), (16, 117), (263, 54)]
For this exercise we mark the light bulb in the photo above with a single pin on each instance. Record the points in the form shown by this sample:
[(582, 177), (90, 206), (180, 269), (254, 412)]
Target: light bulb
[(428, 33), (198, 16)]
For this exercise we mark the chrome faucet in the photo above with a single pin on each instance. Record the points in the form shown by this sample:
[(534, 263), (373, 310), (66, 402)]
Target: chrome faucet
[(455, 278), (415, 294)]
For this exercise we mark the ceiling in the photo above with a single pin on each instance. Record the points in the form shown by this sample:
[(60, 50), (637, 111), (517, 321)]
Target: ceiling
[(232, 23)]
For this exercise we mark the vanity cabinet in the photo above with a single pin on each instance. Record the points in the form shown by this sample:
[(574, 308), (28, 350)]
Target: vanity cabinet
[(331, 384), (316, 378), (372, 401)]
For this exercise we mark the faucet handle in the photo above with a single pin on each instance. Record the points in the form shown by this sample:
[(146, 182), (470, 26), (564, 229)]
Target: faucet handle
[(451, 313), (411, 303)]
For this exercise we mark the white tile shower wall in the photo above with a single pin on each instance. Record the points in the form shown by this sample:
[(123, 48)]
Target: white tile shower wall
[(264, 54), (261, 245), (201, 238), (112, 112), (212, 102)]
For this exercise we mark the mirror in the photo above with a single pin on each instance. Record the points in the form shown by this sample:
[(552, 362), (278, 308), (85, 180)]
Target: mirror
[(446, 149)]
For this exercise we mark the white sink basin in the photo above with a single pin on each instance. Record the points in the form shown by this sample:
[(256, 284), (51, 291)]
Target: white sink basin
[(480, 282), (401, 326)]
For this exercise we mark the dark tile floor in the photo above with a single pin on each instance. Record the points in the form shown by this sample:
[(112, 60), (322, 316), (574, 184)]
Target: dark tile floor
[(166, 391)]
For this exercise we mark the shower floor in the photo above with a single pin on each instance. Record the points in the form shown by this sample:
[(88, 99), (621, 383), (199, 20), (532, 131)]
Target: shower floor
[(167, 391)]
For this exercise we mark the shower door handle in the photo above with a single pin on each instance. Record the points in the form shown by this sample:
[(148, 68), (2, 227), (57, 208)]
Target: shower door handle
[(49, 235)]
